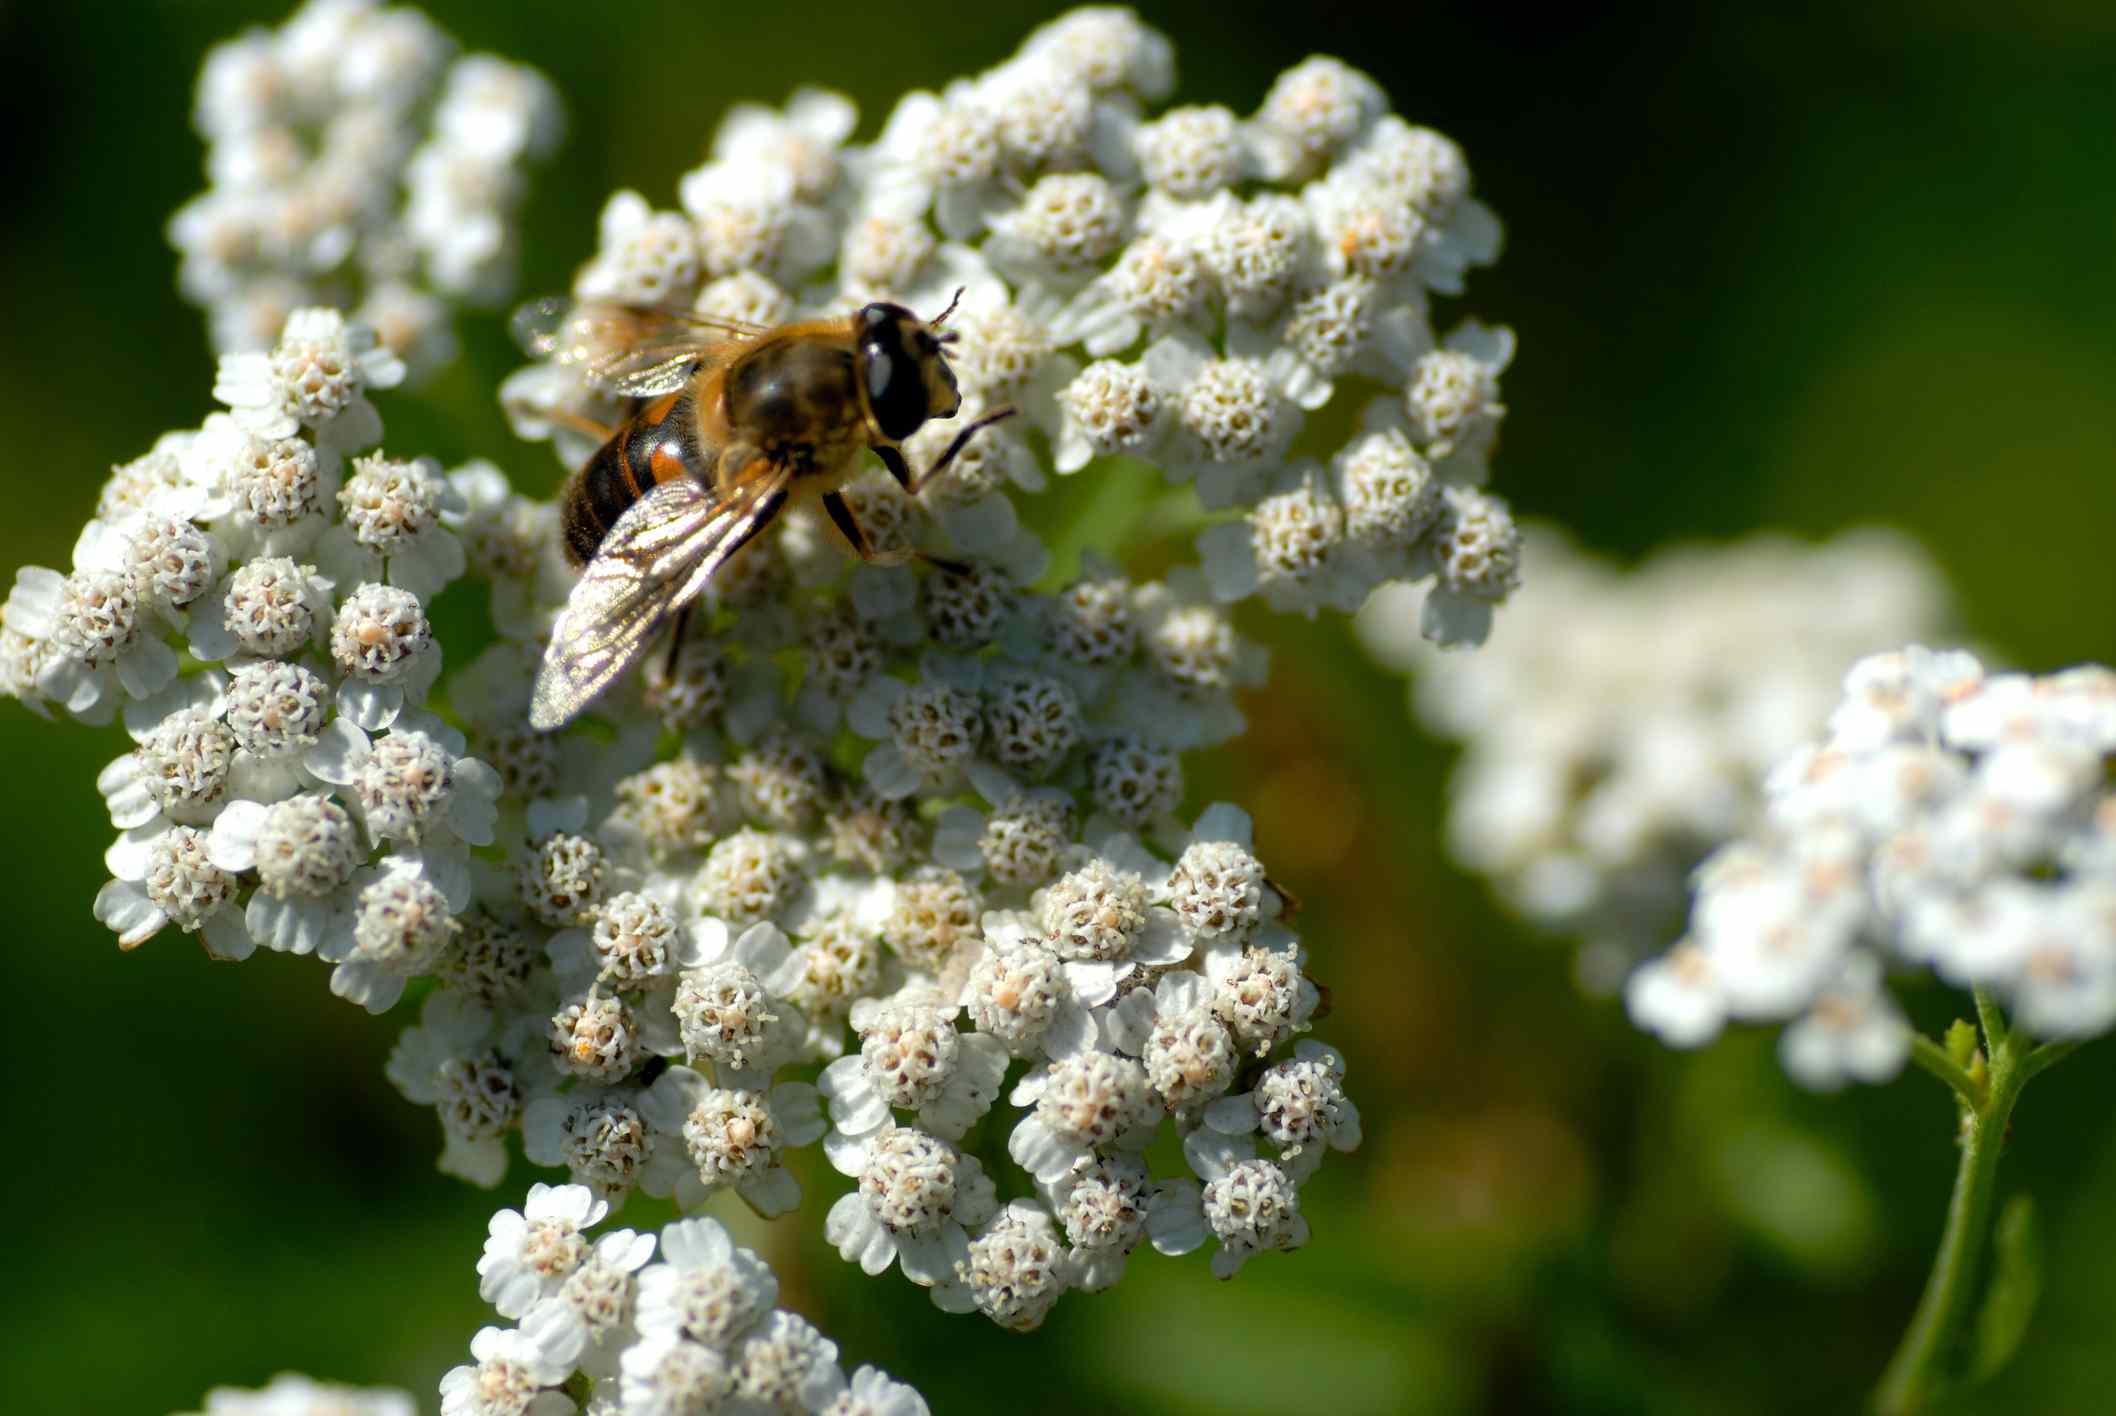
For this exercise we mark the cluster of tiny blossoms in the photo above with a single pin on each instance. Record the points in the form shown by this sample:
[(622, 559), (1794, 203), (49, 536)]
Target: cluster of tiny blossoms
[(920, 825), (692, 1329), (889, 857), (250, 599), (1620, 724), (1185, 288), (355, 161), (1949, 820)]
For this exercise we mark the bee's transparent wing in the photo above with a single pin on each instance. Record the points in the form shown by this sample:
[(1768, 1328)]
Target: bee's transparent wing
[(654, 561), (634, 351), (639, 375)]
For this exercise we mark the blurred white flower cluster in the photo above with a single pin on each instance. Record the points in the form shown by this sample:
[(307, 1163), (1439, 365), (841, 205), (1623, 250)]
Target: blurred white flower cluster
[(355, 161), (1182, 289), (291, 1394), (885, 857), (1620, 724), (1950, 820)]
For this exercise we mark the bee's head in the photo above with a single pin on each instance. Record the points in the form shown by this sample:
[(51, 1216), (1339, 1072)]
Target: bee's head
[(904, 370)]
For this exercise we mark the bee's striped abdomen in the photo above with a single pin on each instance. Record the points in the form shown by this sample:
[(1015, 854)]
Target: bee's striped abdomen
[(658, 444)]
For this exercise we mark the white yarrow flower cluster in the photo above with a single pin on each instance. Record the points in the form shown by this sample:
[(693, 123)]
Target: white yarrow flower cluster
[(292, 792), (890, 857), (353, 159), (1950, 819), (643, 1324), (1620, 724), (1173, 322), (1055, 940)]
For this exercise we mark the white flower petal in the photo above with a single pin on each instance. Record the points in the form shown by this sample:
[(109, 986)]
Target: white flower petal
[(124, 787), (855, 1107), (858, 1237), (1072, 1031), (129, 856), (1175, 1217), (227, 936), (772, 1193), (1451, 620), (1094, 981), (798, 1108), (123, 906), (473, 809), (1223, 821), (146, 667), (1039, 1152), (699, 1242), (337, 754), (1232, 1115), (847, 1154), (890, 774), (233, 843), (292, 926), (928, 1259)]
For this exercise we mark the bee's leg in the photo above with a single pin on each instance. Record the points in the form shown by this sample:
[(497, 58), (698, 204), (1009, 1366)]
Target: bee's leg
[(848, 525), (681, 628), (893, 458)]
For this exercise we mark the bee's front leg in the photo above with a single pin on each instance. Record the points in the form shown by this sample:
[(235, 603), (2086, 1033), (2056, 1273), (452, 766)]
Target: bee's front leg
[(848, 525), (893, 458)]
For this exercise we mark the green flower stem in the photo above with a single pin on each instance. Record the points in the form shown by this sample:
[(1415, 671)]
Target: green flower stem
[(1919, 1367), (1991, 1019), (2046, 1056), (1934, 1059)]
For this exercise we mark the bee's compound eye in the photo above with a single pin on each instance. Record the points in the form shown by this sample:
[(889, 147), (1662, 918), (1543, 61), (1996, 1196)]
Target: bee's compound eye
[(895, 390), (880, 371)]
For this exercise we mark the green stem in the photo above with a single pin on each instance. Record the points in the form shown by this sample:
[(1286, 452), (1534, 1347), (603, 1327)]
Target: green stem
[(1990, 1019), (1934, 1059), (2046, 1056), (1919, 1366)]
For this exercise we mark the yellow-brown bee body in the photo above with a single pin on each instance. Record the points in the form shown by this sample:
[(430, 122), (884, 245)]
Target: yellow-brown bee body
[(733, 420)]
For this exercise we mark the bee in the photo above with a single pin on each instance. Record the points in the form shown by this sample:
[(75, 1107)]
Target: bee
[(730, 422)]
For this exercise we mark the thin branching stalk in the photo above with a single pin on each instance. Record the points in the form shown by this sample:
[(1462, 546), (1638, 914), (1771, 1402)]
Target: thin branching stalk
[(1922, 1362)]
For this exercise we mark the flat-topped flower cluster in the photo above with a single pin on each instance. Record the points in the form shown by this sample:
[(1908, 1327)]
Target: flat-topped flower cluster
[(676, 1322), (355, 160), (1185, 289), (1950, 819), (1620, 724), (887, 857)]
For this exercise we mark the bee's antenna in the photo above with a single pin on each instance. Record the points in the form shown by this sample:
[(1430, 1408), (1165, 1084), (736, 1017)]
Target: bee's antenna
[(942, 317)]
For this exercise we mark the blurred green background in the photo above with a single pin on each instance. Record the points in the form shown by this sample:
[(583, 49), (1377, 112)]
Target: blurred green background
[(1805, 269)]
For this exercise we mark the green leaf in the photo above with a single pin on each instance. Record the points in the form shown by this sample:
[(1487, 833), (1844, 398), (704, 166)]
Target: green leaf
[(1962, 1043), (2016, 1283)]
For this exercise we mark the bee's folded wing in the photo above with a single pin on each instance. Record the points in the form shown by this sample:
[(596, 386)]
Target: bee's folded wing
[(631, 351), (654, 561)]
